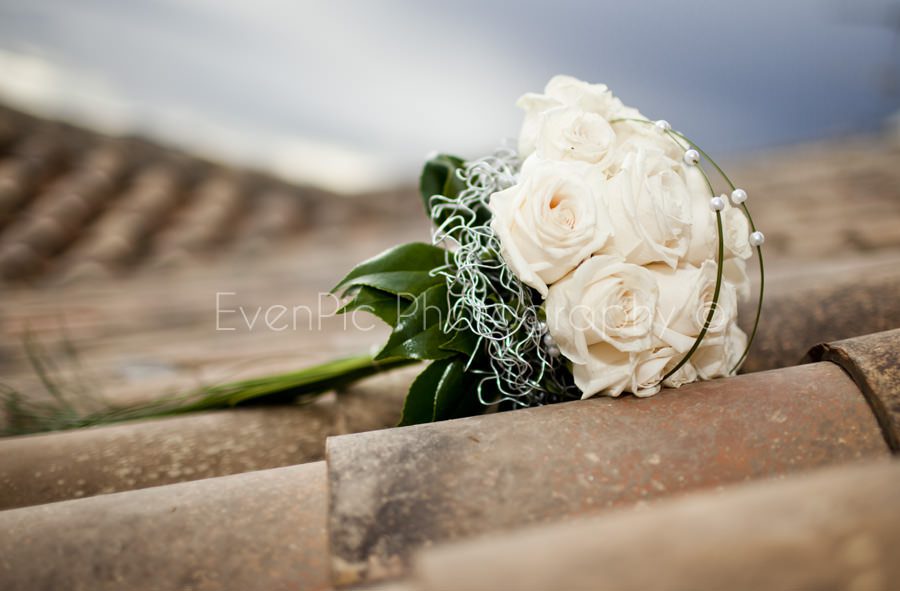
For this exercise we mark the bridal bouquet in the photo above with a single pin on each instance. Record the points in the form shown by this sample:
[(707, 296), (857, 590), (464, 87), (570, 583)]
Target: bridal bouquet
[(596, 258)]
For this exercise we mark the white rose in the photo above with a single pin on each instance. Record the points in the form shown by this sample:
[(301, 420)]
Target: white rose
[(734, 271), (610, 372), (704, 231), (607, 371), (685, 299), (652, 365), (736, 231), (534, 105), (604, 300), (550, 221), (596, 98), (650, 209), (569, 92), (602, 318), (632, 136), (567, 133), (718, 354)]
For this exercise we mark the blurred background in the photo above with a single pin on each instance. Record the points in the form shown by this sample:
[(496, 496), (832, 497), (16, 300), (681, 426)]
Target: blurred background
[(156, 153), (351, 96), (182, 182)]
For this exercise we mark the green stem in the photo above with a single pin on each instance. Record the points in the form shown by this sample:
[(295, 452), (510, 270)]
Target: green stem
[(277, 389), (282, 388)]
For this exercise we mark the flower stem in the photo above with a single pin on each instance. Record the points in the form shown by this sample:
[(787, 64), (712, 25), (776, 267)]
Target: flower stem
[(33, 417)]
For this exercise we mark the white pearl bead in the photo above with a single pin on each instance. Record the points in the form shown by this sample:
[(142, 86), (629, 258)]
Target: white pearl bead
[(757, 238), (663, 125), (717, 204), (553, 351), (739, 196), (542, 327), (548, 341), (691, 157)]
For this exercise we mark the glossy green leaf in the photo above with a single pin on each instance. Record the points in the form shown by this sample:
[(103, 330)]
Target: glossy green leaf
[(382, 304), (419, 404), (418, 333), (404, 284), (439, 178), (450, 390), (415, 257), (463, 342), (423, 345), (434, 393)]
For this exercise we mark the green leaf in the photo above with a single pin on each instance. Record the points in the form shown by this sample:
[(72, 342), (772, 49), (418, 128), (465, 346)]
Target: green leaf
[(468, 404), (435, 392), (415, 257), (462, 341), (418, 333), (423, 345), (382, 304), (439, 178), (450, 390), (419, 404), (404, 284)]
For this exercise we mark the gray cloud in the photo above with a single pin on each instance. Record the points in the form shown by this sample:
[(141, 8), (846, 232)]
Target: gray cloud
[(385, 82)]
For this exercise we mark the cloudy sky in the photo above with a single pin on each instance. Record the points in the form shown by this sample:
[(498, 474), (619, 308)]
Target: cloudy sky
[(353, 94)]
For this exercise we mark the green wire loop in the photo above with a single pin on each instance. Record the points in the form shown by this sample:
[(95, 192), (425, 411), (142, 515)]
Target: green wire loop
[(675, 136), (762, 273)]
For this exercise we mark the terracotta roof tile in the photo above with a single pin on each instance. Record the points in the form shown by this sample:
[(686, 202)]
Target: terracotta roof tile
[(73, 202)]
